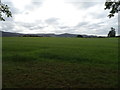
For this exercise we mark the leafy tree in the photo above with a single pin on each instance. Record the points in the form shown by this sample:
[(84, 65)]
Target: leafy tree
[(114, 7), (112, 32), (79, 36), (4, 9)]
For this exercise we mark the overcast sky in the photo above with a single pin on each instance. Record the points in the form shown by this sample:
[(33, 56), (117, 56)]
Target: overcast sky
[(59, 16)]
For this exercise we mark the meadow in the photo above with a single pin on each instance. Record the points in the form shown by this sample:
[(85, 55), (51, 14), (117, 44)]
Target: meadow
[(49, 62)]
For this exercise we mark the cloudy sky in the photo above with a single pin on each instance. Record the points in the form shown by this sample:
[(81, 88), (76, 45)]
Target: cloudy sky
[(59, 16)]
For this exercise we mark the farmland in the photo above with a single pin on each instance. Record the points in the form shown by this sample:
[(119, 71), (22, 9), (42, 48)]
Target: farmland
[(48, 62)]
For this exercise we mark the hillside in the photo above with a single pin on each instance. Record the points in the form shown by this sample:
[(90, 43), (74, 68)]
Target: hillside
[(9, 34), (12, 34)]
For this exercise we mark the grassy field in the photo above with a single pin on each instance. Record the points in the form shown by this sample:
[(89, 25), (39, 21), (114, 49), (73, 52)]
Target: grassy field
[(41, 62)]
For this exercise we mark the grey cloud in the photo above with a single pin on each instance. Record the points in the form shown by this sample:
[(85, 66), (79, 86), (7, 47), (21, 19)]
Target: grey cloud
[(32, 26), (84, 0), (7, 26), (84, 5), (27, 25), (96, 28), (87, 25), (36, 27), (33, 6), (38, 1), (70, 30), (81, 24), (102, 16), (52, 21), (63, 27), (101, 31)]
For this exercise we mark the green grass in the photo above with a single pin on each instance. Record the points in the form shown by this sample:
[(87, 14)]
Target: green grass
[(60, 62)]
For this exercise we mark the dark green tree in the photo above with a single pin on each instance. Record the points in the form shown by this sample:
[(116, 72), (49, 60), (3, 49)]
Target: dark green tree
[(112, 32), (4, 9), (114, 7)]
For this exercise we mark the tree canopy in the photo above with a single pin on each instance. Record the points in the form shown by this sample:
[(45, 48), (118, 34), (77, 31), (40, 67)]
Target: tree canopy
[(4, 9), (112, 32), (114, 7)]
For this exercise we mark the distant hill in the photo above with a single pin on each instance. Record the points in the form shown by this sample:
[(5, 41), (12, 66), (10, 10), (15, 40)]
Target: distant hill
[(11, 34), (67, 35)]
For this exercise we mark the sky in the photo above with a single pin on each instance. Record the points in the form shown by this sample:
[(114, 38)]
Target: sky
[(59, 16)]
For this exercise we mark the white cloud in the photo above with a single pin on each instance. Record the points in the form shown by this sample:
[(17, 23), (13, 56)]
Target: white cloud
[(60, 16), (68, 14), (20, 4)]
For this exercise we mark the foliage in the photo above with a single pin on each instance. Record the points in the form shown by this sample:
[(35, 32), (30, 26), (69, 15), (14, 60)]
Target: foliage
[(111, 32), (114, 6), (27, 35), (4, 9), (79, 36)]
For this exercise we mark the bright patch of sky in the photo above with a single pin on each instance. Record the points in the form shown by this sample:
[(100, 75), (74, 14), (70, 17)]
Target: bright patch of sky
[(59, 16)]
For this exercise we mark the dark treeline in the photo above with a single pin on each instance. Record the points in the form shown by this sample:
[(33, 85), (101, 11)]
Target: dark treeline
[(31, 36)]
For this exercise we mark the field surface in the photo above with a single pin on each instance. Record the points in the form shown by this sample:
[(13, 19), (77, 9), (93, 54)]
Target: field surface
[(46, 62)]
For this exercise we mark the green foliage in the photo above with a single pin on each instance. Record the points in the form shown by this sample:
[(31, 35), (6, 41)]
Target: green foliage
[(112, 32), (42, 62), (4, 9), (114, 6)]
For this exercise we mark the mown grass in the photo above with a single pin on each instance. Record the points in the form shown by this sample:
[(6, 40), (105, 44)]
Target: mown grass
[(60, 62)]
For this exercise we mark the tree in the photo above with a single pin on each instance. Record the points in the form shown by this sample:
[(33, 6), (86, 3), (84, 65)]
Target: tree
[(4, 9), (79, 36), (114, 7), (112, 32)]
